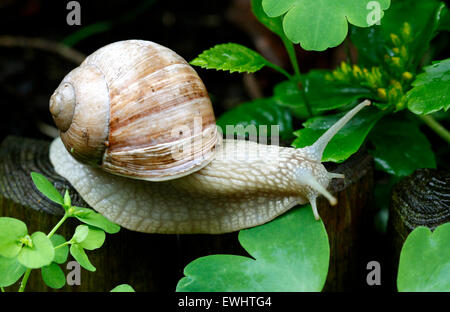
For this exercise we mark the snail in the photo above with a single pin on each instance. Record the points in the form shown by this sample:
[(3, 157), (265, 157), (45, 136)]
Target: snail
[(138, 141)]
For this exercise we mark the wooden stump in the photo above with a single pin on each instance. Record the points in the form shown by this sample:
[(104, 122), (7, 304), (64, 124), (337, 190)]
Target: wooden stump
[(155, 262)]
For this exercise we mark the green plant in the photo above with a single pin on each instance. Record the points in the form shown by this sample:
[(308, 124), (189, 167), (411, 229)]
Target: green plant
[(21, 252), (393, 71)]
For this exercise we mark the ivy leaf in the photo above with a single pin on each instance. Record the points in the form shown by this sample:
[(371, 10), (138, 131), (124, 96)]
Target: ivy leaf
[(322, 95), (347, 141), (46, 187), (93, 218), (11, 231), (232, 57), (425, 260), (62, 252), (431, 91), (80, 256), (321, 24), (400, 147), (40, 254), (10, 271), (53, 276), (123, 288), (290, 253), (94, 239), (257, 113)]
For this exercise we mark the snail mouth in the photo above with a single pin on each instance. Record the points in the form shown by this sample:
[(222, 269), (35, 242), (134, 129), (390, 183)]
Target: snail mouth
[(62, 105)]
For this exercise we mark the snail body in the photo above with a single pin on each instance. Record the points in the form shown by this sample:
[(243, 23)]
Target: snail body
[(219, 186)]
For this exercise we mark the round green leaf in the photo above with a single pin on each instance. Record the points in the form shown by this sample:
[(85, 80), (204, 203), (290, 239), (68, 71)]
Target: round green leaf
[(94, 239), (80, 256), (47, 188), (123, 288), (81, 233), (38, 255), (53, 276), (93, 218), (10, 271), (62, 252), (11, 231), (291, 253), (425, 260)]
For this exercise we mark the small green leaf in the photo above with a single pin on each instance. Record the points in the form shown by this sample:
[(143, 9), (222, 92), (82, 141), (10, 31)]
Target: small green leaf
[(123, 288), (347, 141), (232, 57), (93, 218), (80, 256), (53, 276), (46, 188), (10, 271), (81, 233), (11, 231), (40, 254), (425, 260), (67, 201), (255, 118), (274, 24), (431, 90), (62, 252), (290, 253), (94, 239), (400, 147), (321, 24)]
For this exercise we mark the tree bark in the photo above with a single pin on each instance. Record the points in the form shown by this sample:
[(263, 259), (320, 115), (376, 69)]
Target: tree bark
[(155, 262)]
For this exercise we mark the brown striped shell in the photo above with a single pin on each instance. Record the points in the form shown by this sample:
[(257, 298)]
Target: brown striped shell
[(136, 109)]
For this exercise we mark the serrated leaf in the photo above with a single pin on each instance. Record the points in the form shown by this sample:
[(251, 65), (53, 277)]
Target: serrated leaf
[(11, 231), (256, 117), (94, 239), (290, 253), (321, 24), (231, 57), (46, 187), (38, 255), (431, 91), (347, 141), (123, 288), (93, 218), (53, 276), (425, 260), (62, 252), (400, 147), (10, 271), (80, 256)]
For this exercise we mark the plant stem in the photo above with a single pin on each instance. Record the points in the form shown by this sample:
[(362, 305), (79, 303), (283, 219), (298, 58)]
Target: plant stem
[(2, 289), (279, 69), (57, 226), (24, 281), (436, 127)]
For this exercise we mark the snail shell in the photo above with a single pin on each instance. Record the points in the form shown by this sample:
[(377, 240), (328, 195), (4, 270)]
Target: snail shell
[(136, 109)]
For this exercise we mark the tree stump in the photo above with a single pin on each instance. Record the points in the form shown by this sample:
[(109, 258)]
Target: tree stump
[(155, 262), (421, 199)]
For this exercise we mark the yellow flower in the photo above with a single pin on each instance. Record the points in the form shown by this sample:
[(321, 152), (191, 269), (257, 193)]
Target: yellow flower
[(382, 93), (407, 76), (395, 39)]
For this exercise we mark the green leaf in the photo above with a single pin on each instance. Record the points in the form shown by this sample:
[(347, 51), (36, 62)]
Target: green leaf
[(255, 118), (123, 288), (425, 260), (10, 271), (11, 231), (62, 252), (38, 255), (400, 147), (94, 239), (347, 141), (321, 24), (80, 256), (93, 218), (290, 253), (232, 57), (53, 276), (431, 91), (274, 24), (322, 95), (81, 233), (422, 16), (46, 188)]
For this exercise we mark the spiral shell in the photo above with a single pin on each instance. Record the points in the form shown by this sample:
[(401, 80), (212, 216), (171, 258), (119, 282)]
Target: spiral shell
[(136, 109)]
